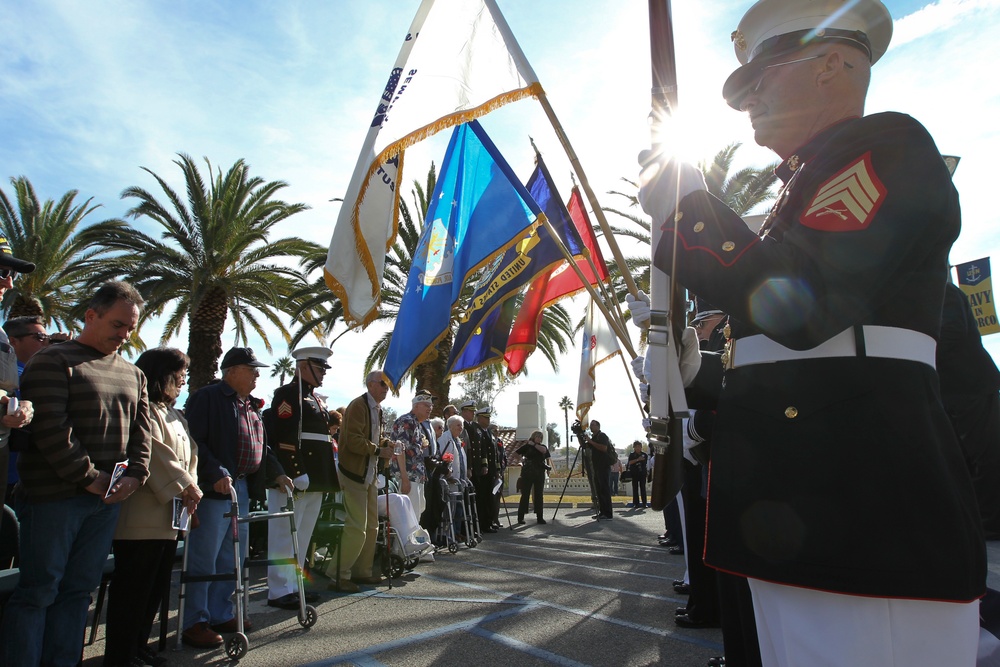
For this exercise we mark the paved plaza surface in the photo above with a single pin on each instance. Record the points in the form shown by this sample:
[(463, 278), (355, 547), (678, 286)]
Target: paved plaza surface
[(572, 592)]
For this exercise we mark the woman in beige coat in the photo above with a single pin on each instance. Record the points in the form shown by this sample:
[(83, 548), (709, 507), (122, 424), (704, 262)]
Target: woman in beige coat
[(146, 537)]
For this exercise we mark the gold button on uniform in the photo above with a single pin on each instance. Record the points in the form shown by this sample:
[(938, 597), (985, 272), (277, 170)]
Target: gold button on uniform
[(679, 216), (728, 246), (698, 226), (791, 412)]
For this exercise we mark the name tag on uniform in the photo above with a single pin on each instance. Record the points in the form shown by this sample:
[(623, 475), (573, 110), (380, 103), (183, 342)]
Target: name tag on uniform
[(287, 446)]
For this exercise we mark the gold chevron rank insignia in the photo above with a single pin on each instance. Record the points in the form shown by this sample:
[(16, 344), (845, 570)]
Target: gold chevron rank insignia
[(285, 410), (848, 201)]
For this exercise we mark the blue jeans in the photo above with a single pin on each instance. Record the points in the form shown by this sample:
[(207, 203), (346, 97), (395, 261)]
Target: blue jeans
[(64, 545), (210, 551)]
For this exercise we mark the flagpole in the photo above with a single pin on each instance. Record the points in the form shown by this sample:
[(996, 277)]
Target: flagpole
[(631, 383), (616, 312), (612, 322), (591, 197)]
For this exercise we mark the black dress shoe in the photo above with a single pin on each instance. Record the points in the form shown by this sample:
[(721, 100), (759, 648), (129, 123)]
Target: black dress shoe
[(541, 521), (676, 551), (682, 589), (150, 658), (717, 661), (521, 521), (681, 611), (686, 621), (290, 601)]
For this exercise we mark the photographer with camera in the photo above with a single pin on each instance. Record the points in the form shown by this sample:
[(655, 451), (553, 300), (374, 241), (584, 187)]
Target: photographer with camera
[(602, 456), (535, 456)]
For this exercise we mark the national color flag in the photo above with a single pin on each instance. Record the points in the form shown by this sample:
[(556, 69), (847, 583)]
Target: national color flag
[(458, 61), (535, 255), (549, 288), (477, 210), (599, 344), (975, 280)]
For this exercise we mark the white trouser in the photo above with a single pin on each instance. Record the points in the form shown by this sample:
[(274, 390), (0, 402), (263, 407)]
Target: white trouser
[(417, 499), (404, 522), (801, 626), (281, 579)]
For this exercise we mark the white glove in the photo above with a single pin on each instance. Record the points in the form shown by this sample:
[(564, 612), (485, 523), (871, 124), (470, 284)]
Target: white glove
[(638, 306), (301, 482), (644, 392), (647, 368), (663, 182), (689, 442), (637, 367), (690, 357), (647, 424)]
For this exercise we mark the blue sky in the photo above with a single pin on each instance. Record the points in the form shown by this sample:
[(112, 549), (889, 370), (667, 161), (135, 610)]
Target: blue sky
[(92, 91)]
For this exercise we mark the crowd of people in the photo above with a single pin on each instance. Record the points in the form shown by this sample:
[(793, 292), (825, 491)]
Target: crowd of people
[(839, 398), (104, 463)]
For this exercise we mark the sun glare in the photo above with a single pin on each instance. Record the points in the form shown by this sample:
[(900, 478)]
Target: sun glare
[(690, 137)]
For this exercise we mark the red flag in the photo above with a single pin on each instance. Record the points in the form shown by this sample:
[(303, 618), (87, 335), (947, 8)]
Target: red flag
[(550, 287)]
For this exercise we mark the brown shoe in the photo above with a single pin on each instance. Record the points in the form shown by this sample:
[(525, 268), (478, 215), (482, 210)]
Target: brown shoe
[(200, 635), (372, 581), (345, 586), (229, 626)]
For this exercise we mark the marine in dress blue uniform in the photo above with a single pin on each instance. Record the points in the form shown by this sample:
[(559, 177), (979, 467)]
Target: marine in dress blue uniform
[(301, 430), (831, 450)]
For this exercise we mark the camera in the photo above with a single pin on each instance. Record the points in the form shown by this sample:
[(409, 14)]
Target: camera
[(577, 428)]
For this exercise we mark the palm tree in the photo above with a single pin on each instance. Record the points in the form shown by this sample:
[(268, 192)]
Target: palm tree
[(566, 406), (283, 366), (218, 259), (64, 252)]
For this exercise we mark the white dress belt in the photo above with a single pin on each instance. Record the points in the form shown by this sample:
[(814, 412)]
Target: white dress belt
[(884, 342), (315, 436)]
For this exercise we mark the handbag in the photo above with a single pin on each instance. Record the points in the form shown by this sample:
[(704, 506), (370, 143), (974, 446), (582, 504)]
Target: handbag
[(626, 476)]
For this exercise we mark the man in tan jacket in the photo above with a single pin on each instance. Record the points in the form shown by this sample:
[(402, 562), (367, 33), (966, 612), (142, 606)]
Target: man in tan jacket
[(360, 446)]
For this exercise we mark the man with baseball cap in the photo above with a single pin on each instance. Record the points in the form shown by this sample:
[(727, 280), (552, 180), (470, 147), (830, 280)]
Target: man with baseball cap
[(831, 451), (224, 420), (299, 429)]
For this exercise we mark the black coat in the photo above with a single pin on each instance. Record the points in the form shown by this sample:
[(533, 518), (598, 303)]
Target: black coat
[(836, 494)]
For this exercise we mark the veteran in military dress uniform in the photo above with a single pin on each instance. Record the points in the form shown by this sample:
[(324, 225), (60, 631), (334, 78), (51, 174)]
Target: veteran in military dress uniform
[(482, 465), (301, 426), (831, 450)]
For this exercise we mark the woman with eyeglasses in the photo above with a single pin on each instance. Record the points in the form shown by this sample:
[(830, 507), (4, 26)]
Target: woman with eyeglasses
[(146, 537)]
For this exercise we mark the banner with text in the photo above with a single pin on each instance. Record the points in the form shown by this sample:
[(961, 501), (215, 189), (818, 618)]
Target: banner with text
[(974, 279)]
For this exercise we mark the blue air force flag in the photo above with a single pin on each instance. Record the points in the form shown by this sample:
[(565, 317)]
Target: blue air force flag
[(478, 210)]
